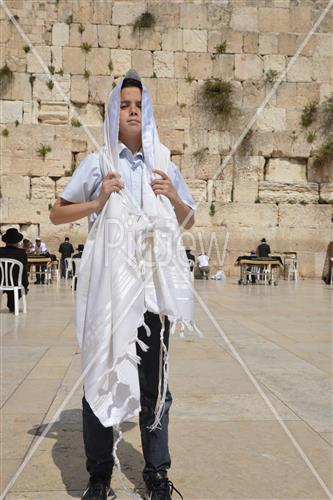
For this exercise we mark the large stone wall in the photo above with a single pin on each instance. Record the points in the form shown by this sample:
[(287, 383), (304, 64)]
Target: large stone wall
[(268, 188)]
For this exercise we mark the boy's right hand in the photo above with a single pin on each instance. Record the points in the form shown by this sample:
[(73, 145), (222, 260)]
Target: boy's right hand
[(112, 183)]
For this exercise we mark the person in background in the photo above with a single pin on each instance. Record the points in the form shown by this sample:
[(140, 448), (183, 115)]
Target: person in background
[(66, 250), (190, 258), (203, 262), (263, 249), (12, 239), (40, 250), (27, 245), (79, 253)]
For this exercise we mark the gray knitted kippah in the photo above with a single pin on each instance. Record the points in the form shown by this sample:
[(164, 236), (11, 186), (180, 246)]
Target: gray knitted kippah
[(132, 75)]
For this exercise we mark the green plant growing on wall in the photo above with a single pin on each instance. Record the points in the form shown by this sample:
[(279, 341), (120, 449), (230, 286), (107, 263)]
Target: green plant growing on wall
[(75, 122), (309, 114), (5, 132), (218, 94), (145, 20), (69, 20), (212, 209), (51, 69), (325, 152), (200, 154), (32, 78), (81, 28), (271, 76), (43, 150), (6, 78), (189, 78), (221, 48), (86, 74), (326, 114), (86, 47), (70, 172), (60, 72), (110, 65), (311, 137), (26, 49), (50, 84), (182, 105)]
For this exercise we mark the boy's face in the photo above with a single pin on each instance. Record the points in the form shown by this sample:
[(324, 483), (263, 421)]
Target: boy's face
[(130, 113)]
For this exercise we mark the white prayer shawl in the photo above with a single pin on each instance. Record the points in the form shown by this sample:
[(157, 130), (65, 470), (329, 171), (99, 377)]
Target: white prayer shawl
[(133, 262)]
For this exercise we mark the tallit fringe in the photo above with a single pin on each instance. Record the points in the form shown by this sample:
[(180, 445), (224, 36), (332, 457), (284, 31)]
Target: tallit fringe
[(127, 491), (184, 325)]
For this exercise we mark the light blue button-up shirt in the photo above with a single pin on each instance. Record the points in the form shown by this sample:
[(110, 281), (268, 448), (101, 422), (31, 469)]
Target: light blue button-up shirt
[(85, 184)]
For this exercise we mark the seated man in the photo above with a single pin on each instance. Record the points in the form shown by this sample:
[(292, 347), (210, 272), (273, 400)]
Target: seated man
[(11, 251), (79, 253), (40, 250), (203, 263), (263, 249)]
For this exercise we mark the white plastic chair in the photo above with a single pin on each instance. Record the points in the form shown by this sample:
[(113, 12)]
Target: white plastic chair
[(69, 267), (191, 264), (75, 269), (7, 282), (292, 269)]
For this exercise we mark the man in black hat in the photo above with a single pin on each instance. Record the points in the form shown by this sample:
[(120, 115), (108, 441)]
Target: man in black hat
[(11, 251), (263, 249)]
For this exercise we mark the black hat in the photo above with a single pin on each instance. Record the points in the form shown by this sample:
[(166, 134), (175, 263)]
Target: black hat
[(80, 248), (12, 236), (263, 240)]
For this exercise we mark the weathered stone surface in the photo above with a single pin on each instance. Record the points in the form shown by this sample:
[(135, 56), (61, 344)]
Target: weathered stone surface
[(268, 43), (241, 215), (326, 192), (251, 43), (273, 192), (195, 40), (97, 62), (164, 65), (142, 61), (245, 191), (172, 39), (244, 19), (198, 189), (99, 89), (272, 120), (299, 216), (274, 62), (90, 35), (249, 168), (108, 36), (248, 66), (166, 91), (42, 187), (91, 115), (207, 167), (121, 61), (222, 191), (301, 71), (33, 65), (60, 34), (126, 12), (181, 65), (15, 186), (273, 20), (201, 65), (285, 171), (150, 40), (60, 185), (53, 113), (128, 39), (234, 40), (218, 141), (73, 60), (11, 111), (79, 89), (223, 67), (193, 15)]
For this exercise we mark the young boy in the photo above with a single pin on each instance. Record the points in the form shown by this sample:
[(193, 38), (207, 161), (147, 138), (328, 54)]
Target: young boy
[(85, 195)]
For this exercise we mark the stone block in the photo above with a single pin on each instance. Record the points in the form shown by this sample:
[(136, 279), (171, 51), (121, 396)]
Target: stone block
[(10, 111), (187, 92), (75, 37), (322, 69), (60, 185), (193, 15), (244, 215), (23, 212), (285, 171), (56, 56), (42, 187), (164, 65), (222, 191), (326, 192), (248, 66), (194, 40), (41, 91), (91, 115), (60, 34), (79, 89), (249, 168), (19, 88), (74, 60), (128, 39), (79, 145), (90, 34), (207, 167), (126, 12), (15, 186), (121, 60), (142, 61), (268, 43), (181, 60), (244, 19), (201, 65), (219, 141), (167, 15), (253, 94), (287, 44), (324, 46), (234, 40), (99, 89), (286, 95), (274, 20), (198, 190), (166, 91), (299, 216), (324, 173), (33, 65), (223, 67), (272, 119), (300, 19), (150, 40), (108, 36), (53, 113), (251, 43), (172, 39), (173, 139), (97, 61), (301, 71), (275, 62), (279, 192), (151, 84)]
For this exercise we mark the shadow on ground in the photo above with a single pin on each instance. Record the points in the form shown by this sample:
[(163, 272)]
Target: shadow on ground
[(68, 453)]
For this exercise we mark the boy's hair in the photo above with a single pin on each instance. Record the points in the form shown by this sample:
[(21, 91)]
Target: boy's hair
[(130, 82)]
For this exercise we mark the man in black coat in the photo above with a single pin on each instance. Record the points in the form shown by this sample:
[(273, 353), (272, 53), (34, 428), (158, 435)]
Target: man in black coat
[(66, 249), (11, 251), (263, 249)]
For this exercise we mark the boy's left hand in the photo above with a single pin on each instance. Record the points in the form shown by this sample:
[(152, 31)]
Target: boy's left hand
[(164, 186)]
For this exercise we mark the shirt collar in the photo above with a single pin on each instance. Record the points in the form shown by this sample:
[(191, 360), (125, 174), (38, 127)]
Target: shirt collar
[(125, 152)]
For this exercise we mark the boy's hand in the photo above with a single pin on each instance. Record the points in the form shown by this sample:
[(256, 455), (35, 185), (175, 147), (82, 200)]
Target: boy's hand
[(111, 184), (165, 187)]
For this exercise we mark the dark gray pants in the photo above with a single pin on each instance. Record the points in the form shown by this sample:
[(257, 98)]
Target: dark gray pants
[(98, 440)]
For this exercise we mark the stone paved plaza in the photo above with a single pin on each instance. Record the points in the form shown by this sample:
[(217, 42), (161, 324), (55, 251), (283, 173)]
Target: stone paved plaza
[(225, 441)]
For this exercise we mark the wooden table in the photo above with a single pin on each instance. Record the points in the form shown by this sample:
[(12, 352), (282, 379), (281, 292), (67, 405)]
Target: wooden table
[(263, 269), (40, 261)]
